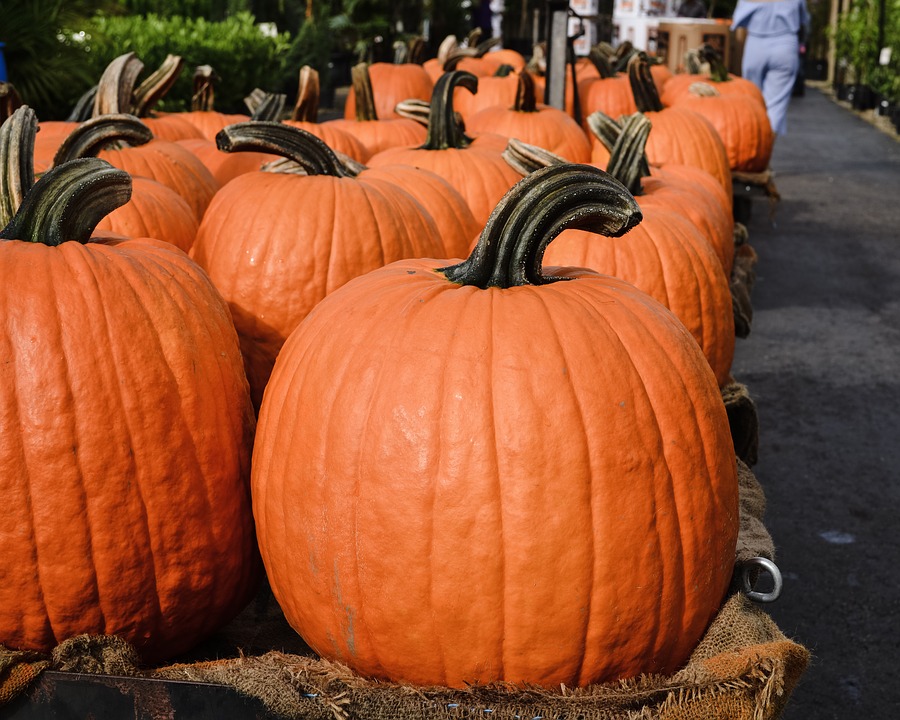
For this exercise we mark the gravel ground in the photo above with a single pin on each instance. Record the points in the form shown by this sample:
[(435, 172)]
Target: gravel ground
[(822, 364)]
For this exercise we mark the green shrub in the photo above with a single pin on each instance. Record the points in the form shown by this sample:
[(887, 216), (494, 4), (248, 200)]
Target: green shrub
[(237, 49)]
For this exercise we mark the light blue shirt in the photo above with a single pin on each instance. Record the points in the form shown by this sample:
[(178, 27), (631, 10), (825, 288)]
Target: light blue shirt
[(770, 18)]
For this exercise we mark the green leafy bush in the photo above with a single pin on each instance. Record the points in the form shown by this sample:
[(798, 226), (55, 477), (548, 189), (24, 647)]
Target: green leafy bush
[(243, 56)]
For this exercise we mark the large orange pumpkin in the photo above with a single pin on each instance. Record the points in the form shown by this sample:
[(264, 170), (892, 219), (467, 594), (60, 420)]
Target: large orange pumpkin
[(124, 456), (276, 244), (679, 136), (480, 472)]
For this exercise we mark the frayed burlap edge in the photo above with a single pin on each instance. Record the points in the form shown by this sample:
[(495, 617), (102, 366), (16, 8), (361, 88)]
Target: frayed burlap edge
[(743, 277)]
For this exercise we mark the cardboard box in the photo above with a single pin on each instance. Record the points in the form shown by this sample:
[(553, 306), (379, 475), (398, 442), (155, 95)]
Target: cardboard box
[(675, 36)]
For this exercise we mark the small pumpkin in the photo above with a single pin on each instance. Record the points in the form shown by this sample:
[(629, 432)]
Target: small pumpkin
[(124, 458), (481, 472)]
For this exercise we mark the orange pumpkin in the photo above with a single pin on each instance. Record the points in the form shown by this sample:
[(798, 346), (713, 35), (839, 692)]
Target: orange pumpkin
[(476, 168), (689, 190), (127, 143), (537, 124), (484, 473), (679, 136), (322, 229), (306, 117), (124, 461), (392, 83), (741, 122), (375, 134)]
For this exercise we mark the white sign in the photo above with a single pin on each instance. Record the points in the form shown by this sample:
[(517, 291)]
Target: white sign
[(884, 58)]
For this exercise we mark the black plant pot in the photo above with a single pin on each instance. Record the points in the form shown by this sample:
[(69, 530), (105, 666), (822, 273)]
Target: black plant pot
[(863, 97), (842, 91), (884, 106)]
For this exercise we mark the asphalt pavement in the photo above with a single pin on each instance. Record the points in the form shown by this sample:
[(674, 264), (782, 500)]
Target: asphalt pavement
[(822, 363)]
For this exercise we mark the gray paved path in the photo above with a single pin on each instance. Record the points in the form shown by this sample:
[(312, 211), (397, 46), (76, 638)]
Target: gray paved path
[(823, 365)]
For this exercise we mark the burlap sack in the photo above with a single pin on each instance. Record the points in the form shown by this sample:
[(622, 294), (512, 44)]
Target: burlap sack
[(743, 669)]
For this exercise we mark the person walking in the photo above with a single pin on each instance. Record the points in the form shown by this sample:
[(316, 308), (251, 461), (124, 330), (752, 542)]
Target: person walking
[(772, 50)]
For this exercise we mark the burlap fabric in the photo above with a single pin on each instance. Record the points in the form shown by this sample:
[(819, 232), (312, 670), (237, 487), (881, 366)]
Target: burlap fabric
[(743, 421), (743, 669), (743, 276)]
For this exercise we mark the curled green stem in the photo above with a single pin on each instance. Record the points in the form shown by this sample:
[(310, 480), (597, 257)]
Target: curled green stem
[(89, 138), (511, 248), (68, 201), (443, 129), (300, 146)]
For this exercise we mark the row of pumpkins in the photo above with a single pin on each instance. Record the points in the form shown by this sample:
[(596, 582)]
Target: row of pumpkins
[(346, 353)]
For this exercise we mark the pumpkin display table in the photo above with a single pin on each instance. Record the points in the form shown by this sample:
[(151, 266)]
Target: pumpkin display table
[(744, 667)]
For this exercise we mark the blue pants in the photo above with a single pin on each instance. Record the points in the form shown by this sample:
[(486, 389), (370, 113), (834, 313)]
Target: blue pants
[(772, 63)]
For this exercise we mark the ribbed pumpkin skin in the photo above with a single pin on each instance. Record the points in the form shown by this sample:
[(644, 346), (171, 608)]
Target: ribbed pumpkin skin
[(170, 164), (478, 171), (275, 245), (379, 135), (209, 122), (449, 210), (391, 84), (548, 128), (743, 125), (612, 96), (154, 211), (124, 456), (683, 137), (667, 257), (695, 194), (467, 485)]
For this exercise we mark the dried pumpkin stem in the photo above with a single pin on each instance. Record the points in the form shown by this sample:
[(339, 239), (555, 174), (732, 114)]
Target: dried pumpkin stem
[(84, 107), (304, 148), (526, 159), (115, 90), (157, 84), (511, 248), (526, 100), (362, 92), (601, 61), (16, 160), (306, 109), (443, 129), (204, 97), (414, 109), (627, 162), (646, 96), (270, 108), (718, 72), (89, 138), (68, 202)]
